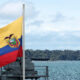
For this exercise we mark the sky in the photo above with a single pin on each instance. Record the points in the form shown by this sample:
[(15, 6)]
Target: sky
[(49, 24)]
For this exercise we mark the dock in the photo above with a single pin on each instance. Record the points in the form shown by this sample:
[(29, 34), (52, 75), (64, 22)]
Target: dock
[(13, 71)]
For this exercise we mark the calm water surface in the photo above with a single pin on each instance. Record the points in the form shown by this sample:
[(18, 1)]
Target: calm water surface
[(61, 70)]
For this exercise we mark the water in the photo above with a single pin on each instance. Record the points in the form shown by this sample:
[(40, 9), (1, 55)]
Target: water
[(61, 70)]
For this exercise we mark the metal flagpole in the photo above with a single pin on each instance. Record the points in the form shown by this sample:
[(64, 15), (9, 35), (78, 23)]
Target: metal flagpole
[(23, 41)]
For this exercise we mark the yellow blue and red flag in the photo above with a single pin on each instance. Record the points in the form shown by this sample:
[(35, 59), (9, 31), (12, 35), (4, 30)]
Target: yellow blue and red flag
[(11, 42)]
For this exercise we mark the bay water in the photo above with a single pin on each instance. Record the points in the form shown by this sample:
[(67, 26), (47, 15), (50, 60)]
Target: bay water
[(61, 70)]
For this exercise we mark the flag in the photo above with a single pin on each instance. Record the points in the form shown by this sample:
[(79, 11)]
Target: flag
[(11, 42)]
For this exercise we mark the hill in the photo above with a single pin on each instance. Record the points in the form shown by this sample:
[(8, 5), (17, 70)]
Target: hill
[(53, 54)]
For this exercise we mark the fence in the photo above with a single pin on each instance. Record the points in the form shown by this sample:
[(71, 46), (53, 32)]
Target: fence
[(42, 71)]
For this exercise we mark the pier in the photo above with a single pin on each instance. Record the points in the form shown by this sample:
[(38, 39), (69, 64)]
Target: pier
[(13, 71)]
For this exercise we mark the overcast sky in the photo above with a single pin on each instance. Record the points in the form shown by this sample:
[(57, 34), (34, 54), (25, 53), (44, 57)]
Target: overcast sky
[(50, 24)]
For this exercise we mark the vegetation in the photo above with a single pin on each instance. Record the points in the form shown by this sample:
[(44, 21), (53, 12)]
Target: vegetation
[(53, 54)]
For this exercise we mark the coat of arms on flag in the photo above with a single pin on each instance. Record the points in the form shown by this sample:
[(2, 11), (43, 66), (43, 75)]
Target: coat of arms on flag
[(12, 41)]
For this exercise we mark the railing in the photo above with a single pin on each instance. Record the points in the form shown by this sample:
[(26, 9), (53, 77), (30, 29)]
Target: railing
[(39, 73), (42, 72)]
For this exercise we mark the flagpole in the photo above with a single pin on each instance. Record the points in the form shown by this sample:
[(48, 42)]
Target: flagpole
[(23, 41)]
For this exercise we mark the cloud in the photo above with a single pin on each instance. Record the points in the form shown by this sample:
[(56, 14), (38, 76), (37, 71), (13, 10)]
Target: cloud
[(55, 40), (37, 23), (31, 11), (62, 34), (43, 27), (12, 10), (41, 30), (59, 17)]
